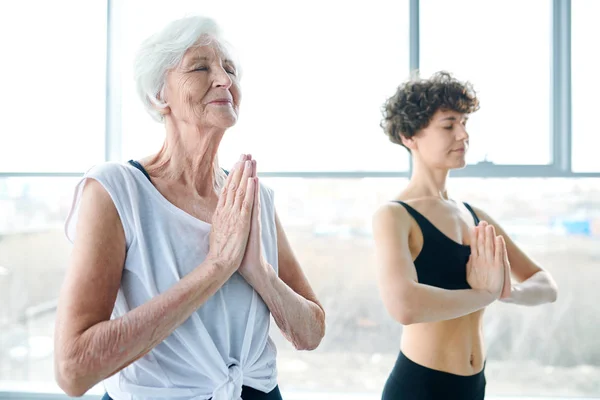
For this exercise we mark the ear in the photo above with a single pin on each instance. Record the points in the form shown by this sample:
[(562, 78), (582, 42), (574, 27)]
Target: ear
[(163, 110), (163, 107), (409, 143)]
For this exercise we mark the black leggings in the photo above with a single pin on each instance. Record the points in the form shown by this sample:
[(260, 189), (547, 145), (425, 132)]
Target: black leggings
[(248, 393), (411, 381)]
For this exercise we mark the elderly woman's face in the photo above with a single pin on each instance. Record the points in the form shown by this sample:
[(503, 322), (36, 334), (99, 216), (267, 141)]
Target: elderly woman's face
[(204, 89)]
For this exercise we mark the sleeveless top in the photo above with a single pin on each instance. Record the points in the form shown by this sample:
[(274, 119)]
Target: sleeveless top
[(224, 344), (442, 262)]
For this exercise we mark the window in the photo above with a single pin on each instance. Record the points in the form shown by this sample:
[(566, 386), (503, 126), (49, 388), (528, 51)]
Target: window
[(311, 51), (328, 222), (503, 48), (532, 351), (314, 80), (53, 85), (585, 89), (33, 261)]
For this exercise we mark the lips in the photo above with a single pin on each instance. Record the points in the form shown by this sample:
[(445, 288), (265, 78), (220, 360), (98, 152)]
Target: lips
[(221, 101)]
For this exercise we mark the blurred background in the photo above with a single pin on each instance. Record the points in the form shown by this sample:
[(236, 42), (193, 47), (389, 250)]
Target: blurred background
[(315, 74)]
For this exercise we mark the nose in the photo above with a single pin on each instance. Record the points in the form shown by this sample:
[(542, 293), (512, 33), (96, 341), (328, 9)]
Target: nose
[(222, 79), (462, 133)]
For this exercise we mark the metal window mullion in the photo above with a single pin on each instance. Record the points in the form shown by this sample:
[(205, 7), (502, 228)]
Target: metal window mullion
[(112, 136), (414, 48), (561, 128), (36, 174), (413, 37), (490, 170)]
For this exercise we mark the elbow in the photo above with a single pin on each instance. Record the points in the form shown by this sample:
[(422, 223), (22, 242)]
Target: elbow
[(400, 308), (551, 288), (70, 384), (313, 338), (307, 345), (404, 316), (69, 378), (311, 343)]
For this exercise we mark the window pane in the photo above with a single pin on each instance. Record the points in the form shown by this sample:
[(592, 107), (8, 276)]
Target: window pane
[(551, 350), (503, 48), (315, 78), (584, 69), (53, 91), (33, 260)]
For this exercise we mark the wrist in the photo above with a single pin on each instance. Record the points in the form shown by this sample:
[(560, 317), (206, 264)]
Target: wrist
[(487, 295), (219, 263), (258, 276)]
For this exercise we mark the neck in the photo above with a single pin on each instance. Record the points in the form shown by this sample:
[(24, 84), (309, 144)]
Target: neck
[(427, 181), (188, 156)]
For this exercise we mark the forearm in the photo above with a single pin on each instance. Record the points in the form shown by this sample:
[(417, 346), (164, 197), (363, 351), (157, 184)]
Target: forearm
[(540, 288), (109, 346), (301, 321), (423, 303)]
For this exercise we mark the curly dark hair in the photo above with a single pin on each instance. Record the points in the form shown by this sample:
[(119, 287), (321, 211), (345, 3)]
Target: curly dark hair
[(411, 108)]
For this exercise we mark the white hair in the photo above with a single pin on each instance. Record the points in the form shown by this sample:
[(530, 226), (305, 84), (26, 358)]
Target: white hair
[(164, 51)]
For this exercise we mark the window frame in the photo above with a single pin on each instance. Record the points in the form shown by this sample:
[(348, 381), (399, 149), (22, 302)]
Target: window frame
[(560, 115)]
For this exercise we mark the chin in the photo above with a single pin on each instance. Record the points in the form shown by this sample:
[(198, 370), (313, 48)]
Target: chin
[(225, 121), (458, 165)]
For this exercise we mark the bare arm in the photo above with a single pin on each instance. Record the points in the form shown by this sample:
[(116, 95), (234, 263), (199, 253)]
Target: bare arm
[(534, 285), (290, 298), (407, 300), (90, 347)]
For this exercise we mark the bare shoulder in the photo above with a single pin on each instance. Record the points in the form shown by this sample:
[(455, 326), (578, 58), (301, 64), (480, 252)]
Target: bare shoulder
[(391, 220), (100, 241), (390, 212)]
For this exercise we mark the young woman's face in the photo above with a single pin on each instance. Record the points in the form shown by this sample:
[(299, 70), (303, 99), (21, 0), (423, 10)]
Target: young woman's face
[(444, 142)]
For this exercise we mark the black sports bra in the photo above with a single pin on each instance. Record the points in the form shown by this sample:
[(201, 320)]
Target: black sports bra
[(442, 261)]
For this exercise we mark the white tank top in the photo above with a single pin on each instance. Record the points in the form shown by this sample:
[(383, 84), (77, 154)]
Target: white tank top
[(224, 344)]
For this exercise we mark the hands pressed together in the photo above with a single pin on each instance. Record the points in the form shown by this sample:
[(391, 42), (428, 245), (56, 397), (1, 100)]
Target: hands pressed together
[(235, 238), (488, 267)]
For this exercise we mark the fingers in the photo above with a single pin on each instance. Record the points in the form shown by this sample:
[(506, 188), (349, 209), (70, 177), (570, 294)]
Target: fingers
[(248, 202), (225, 189), (506, 263), (507, 288), (498, 253), (233, 181), (504, 253), (256, 210), (257, 194), (256, 207), (242, 190), (481, 239), (490, 235), (257, 199)]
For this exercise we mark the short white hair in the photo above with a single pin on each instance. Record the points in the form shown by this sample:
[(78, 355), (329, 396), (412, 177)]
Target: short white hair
[(164, 51)]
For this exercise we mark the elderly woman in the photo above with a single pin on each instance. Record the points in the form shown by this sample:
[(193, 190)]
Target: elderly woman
[(177, 267)]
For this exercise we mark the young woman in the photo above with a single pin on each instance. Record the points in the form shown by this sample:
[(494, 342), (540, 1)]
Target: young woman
[(441, 261)]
